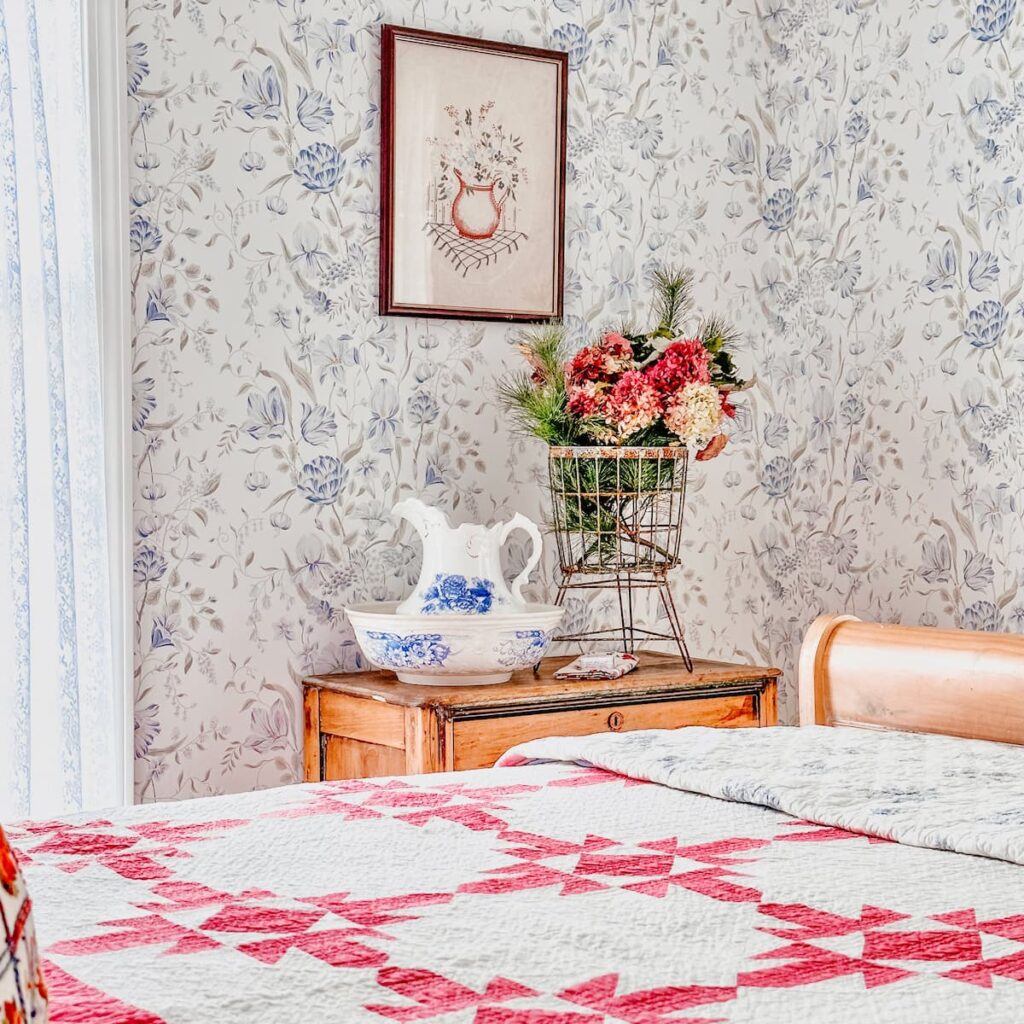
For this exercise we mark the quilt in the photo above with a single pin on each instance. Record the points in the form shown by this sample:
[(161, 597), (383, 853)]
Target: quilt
[(660, 878)]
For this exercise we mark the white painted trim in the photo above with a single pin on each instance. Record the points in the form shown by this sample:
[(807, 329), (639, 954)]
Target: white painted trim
[(104, 34)]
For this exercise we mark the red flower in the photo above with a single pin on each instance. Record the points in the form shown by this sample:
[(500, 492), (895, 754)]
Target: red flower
[(727, 407), (682, 363), (12, 1015)]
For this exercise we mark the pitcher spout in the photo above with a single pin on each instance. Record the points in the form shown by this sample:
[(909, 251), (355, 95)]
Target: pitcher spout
[(422, 517)]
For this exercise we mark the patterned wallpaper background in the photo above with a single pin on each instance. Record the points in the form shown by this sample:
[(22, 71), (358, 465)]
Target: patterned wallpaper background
[(842, 175)]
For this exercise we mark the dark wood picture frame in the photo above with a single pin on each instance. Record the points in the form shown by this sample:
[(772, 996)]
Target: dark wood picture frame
[(389, 305)]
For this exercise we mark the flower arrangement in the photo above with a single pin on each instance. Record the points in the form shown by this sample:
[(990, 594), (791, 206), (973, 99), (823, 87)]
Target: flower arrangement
[(661, 388), (622, 417), (480, 150)]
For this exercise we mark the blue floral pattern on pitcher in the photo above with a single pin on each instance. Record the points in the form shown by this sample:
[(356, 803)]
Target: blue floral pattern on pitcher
[(452, 593), (414, 651)]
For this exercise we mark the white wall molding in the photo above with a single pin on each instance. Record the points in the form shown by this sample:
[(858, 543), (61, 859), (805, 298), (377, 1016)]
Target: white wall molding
[(104, 33)]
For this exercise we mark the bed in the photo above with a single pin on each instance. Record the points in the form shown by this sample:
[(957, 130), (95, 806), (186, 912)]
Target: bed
[(830, 873)]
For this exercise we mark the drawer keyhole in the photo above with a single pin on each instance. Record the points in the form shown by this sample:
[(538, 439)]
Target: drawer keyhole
[(615, 721)]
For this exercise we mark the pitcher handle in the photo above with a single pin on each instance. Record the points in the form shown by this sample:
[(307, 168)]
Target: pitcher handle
[(521, 522)]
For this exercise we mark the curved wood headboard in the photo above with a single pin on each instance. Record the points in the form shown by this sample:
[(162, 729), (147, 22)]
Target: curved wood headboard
[(912, 678)]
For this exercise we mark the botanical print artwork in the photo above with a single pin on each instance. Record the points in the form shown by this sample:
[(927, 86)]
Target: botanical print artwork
[(843, 179), (471, 212), (473, 141)]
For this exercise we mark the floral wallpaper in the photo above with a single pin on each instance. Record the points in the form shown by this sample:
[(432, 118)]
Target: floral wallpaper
[(843, 177)]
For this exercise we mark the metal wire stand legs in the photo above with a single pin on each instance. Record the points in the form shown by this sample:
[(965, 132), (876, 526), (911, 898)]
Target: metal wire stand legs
[(629, 632)]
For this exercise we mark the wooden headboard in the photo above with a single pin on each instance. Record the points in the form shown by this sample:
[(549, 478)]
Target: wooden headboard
[(912, 678)]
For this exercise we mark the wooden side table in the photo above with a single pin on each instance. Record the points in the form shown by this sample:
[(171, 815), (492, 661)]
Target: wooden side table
[(365, 724)]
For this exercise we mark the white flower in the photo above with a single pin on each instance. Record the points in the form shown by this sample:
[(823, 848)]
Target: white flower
[(694, 415)]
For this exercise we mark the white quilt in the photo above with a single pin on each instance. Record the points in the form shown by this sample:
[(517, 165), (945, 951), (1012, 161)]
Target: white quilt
[(557, 893), (937, 792)]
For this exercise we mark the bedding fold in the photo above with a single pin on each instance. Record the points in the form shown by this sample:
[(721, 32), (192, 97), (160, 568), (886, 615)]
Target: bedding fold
[(936, 792)]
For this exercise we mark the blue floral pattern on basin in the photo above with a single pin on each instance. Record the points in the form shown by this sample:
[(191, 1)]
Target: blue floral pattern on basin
[(452, 593), (528, 647), (414, 651)]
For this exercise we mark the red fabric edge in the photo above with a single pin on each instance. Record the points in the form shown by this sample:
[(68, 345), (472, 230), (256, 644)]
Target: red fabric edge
[(74, 1002)]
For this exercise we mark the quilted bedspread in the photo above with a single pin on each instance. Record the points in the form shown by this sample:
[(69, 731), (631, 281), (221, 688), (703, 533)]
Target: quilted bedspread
[(650, 878)]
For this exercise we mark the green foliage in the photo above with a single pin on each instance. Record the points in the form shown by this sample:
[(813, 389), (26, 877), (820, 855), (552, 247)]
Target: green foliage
[(548, 348), (717, 334), (536, 397), (539, 408), (642, 344), (608, 503), (673, 300)]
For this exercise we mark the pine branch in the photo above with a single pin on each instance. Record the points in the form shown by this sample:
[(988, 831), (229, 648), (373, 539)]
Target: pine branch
[(672, 301), (539, 409), (717, 334), (544, 348)]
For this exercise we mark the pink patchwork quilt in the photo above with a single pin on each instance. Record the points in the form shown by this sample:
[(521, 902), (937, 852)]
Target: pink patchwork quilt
[(645, 879)]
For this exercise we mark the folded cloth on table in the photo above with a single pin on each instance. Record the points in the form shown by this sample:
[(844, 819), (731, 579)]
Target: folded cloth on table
[(598, 666)]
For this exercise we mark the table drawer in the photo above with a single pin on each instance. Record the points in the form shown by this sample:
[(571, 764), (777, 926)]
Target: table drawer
[(480, 742)]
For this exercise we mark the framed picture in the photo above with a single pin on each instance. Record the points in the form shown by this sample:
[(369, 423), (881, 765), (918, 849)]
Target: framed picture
[(472, 177)]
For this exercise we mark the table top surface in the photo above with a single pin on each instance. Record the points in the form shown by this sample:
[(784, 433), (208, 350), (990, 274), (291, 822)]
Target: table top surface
[(657, 674)]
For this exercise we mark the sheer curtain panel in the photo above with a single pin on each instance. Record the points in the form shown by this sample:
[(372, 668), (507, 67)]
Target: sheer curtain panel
[(62, 734)]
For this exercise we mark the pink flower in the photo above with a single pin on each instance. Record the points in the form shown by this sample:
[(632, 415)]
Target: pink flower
[(682, 363), (584, 400), (618, 352), (598, 362), (632, 404)]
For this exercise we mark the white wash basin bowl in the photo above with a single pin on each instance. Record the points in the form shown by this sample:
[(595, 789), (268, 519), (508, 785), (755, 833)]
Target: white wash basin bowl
[(464, 650)]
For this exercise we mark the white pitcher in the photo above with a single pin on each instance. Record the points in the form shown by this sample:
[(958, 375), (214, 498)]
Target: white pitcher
[(461, 572)]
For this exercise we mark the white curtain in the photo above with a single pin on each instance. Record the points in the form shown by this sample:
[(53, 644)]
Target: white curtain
[(60, 696)]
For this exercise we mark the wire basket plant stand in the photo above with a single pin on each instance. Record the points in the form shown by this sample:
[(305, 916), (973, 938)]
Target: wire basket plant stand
[(617, 515)]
